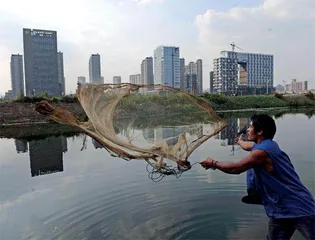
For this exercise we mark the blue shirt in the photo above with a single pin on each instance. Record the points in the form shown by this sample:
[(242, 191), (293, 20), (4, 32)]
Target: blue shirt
[(283, 194)]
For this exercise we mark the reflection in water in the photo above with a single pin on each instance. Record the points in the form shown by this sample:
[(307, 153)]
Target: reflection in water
[(230, 132), (96, 144), (21, 146), (46, 155), (98, 197)]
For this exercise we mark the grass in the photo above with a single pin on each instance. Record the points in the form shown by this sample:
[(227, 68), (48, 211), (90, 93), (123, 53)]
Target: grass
[(217, 101), (221, 102)]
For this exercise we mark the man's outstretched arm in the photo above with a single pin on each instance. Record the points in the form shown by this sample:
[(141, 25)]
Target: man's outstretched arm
[(255, 158), (245, 145)]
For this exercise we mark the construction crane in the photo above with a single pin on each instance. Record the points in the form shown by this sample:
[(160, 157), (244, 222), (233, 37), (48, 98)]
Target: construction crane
[(234, 46)]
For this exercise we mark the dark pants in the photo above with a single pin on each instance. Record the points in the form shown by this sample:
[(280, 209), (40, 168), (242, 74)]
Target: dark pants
[(285, 227)]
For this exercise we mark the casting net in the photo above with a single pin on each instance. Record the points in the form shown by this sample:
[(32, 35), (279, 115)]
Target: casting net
[(158, 124)]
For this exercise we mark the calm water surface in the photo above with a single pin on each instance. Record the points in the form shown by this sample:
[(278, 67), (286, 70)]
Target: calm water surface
[(53, 189)]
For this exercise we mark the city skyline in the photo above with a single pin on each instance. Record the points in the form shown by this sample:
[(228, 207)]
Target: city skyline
[(203, 29)]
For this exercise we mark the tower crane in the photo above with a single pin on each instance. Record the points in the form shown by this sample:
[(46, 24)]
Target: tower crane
[(234, 46)]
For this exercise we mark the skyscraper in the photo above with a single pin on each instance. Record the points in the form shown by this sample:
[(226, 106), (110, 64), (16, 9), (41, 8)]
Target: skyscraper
[(117, 79), (199, 76), (237, 69), (182, 73), (211, 81), (147, 71), (224, 75), (17, 76), (167, 66), (40, 62), (61, 74), (95, 69), (190, 78), (192, 82)]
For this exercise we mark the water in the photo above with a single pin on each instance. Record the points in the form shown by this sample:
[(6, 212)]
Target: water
[(50, 189)]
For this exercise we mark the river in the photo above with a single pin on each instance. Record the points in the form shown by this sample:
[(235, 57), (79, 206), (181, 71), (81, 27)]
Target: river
[(58, 187)]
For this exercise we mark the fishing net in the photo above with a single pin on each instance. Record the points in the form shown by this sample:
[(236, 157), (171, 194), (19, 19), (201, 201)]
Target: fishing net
[(158, 124)]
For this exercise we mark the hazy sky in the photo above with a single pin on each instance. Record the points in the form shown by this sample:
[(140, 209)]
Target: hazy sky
[(125, 32)]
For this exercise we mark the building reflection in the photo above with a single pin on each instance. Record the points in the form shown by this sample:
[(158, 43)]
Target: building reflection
[(197, 131), (233, 127), (96, 144), (21, 146), (148, 134), (46, 155), (171, 134), (229, 133)]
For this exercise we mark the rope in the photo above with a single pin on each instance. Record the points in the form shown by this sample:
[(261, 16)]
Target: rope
[(157, 174)]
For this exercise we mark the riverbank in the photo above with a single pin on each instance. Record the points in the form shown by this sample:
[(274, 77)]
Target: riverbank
[(23, 111)]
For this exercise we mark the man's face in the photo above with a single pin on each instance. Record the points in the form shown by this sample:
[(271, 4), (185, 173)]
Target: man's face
[(251, 135)]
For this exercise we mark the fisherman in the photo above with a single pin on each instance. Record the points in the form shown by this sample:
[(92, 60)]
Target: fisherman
[(287, 202)]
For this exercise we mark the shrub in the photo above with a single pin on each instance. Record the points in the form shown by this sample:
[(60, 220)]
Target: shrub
[(279, 95), (310, 95), (217, 98)]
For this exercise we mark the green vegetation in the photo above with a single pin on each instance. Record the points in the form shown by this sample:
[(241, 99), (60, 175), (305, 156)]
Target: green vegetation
[(278, 113), (221, 102), (310, 95), (166, 103), (38, 131), (161, 105), (47, 97)]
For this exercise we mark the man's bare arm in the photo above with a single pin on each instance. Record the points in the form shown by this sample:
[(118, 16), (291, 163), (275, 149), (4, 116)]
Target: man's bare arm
[(246, 145), (255, 158)]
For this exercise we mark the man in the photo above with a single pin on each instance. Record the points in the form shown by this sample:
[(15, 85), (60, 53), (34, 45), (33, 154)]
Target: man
[(287, 202)]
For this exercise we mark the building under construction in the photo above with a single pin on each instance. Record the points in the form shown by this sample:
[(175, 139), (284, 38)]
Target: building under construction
[(238, 72)]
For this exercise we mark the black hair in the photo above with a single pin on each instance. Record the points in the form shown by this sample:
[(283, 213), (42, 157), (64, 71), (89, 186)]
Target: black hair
[(264, 123)]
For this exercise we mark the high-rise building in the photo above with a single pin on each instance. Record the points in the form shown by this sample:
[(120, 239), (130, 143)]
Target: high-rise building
[(182, 73), (190, 83), (17, 76), (225, 75), (95, 69), (117, 79), (237, 69), (135, 79), (193, 78), (296, 86), (61, 74), (199, 76), (81, 79), (211, 81), (41, 62), (147, 71), (167, 66)]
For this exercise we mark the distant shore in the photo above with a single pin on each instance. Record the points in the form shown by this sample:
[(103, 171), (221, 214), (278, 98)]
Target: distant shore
[(23, 111)]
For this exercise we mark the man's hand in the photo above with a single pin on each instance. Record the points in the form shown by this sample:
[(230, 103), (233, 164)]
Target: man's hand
[(239, 139), (208, 163), (245, 145)]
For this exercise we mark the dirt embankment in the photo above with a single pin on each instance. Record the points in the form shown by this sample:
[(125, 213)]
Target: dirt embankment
[(17, 112)]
